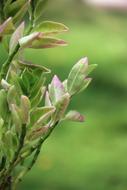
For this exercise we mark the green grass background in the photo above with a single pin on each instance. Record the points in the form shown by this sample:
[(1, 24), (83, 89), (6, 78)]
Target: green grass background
[(92, 155)]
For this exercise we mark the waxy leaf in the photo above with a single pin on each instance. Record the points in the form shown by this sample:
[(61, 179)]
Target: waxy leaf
[(49, 28), (15, 37), (36, 40), (44, 117), (12, 96), (40, 112), (76, 79), (56, 90), (61, 107), (26, 64), (25, 109), (74, 116), (27, 40), (85, 84), (16, 117)]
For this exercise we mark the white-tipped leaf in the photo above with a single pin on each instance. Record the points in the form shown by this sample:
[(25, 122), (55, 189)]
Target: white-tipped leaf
[(56, 90)]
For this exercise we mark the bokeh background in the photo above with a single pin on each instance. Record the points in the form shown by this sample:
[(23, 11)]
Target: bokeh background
[(92, 155)]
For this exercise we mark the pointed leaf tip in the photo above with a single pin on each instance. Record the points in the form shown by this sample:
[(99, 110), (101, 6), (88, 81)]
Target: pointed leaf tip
[(57, 83), (84, 60)]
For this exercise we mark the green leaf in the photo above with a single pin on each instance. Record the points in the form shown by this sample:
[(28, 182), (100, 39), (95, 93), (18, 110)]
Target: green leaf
[(85, 84), (38, 85), (14, 80), (12, 95), (21, 13), (26, 64), (38, 98), (16, 9), (44, 117), (49, 28), (25, 109), (74, 116), (7, 27), (15, 37), (61, 107), (16, 117), (39, 9), (77, 77), (40, 112), (11, 8), (3, 104)]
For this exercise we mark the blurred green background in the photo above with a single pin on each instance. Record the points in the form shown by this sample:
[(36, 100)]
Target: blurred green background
[(92, 155)]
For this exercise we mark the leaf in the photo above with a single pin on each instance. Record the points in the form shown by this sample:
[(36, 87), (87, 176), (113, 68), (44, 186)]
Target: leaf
[(27, 40), (76, 79), (48, 28), (39, 9), (85, 84), (47, 99), (7, 27), (36, 40), (25, 109), (44, 117), (65, 85), (76, 76), (11, 8), (27, 64), (37, 133), (38, 98), (15, 117), (14, 81), (12, 95), (47, 42), (21, 13), (74, 116), (3, 104), (40, 112), (17, 10), (61, 107), (56, 90), (15, 37)]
